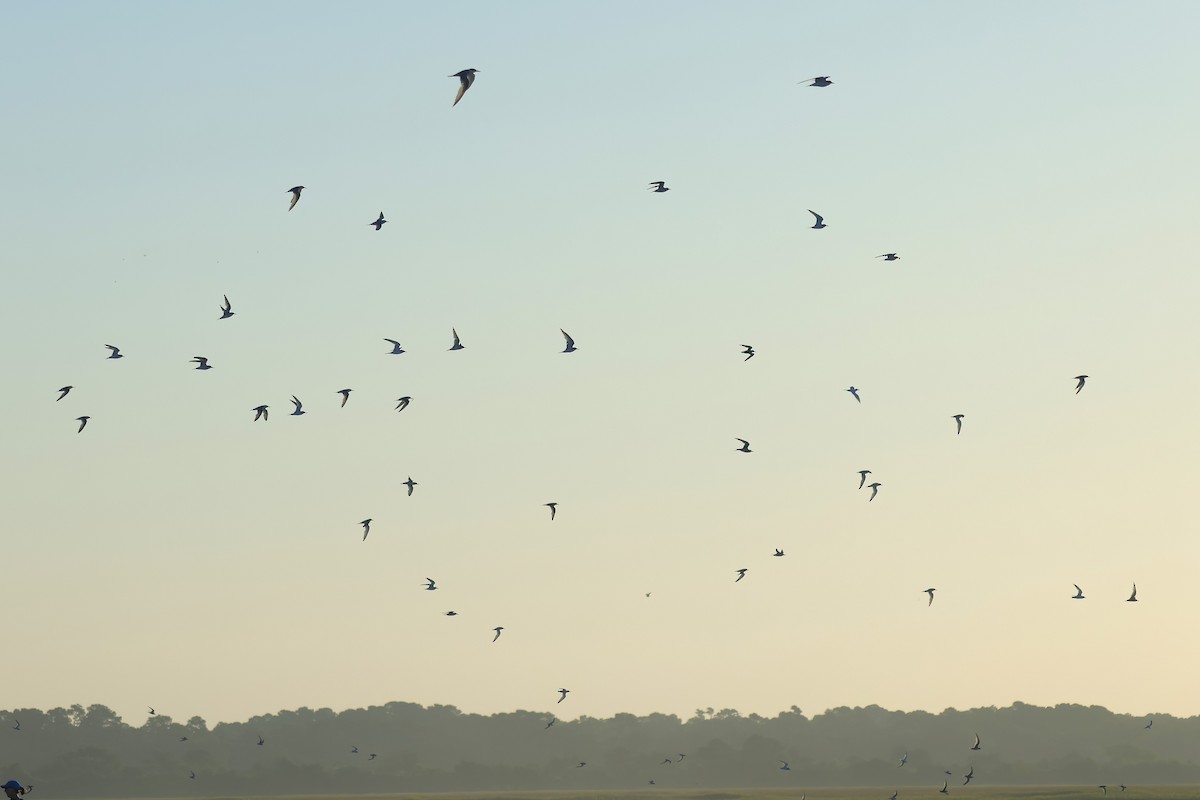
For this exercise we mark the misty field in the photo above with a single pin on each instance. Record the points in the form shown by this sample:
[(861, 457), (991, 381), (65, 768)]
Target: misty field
[(831, 793)]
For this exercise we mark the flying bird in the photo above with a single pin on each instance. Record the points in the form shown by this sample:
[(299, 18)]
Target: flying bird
[(976, 745), (1131, 599), (785, 767), (1123, 787), (1078, 592), (201, 361), (874, 487), (778, 553), (563, 693), (969, 776), (82, 422), (497, 630), (402, 402), (299, 407), (958, 418), (430, 585), (226, 308), (745, 448), (930, 593), (152, 711), (1103, 787), (903, 759), (747, 351), (741, 573), (570, 348), (944, 789), (820, 223), (820, 80), (372, 756), (660, 186), (895, 794), (410, 483), (183, 738), (259, 411), (63, 392), (889, 257), (116, 351), (366, 526), (345, 393), (1149, 724), (581, 764), (458, 345), (396, 348), (261, 741), (465, 78), (451, 614), (665, 761), (550, 724), (854, 391), (379, 222), (553, 509), (353, 748), (863, 473), (17, 727), (1082, 380), (295, 190), (682, 756), (192, 774)]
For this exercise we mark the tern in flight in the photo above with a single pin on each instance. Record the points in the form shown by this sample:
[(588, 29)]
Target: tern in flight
[(682, 756), (563, 694), (944, 789), (553, 509), (17, 727), (1078, 592), (465, 78), (299, 407), (863, 473), (1082, 380), (372, 756), (665, 761), (874, 487), (854, 391), (1133, 597), (151, 710), (820, 223), (402, 402), (976, 745), (550, 724), (958, 418), (116, 351), (451, 614), (430, 585), (259, 411), (1123, 787), (745, 448), (261, 741), (183, 738), (458, 345), (366, 526), (660, 186), (345, 393), (497, 629), (570, 348), (778, 553), (581, 764), (1103, 787), (410, 483), (820, 80), (889, 257), (747, 351), (192, 774), (295, 190), (353, 748), (396, 348), (930, 593), (377, 224), (1149, 724), (903, 759), (82, 422), (895, 794), (226, 309), (741, 573), (968, 776), (200, 361), (63, 392), (785, 767)]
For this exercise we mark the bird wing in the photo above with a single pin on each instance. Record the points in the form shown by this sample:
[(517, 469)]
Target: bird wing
[(295, 199), (567, 336), (820, 219), (464, 84)]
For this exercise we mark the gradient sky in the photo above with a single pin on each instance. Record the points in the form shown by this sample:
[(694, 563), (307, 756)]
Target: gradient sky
[(1034, 164)]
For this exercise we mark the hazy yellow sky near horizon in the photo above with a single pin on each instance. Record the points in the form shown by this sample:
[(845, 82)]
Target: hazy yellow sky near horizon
[(1034, 166)]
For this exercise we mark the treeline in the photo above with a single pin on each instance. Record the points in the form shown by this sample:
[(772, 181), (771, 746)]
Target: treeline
[(91, 752)]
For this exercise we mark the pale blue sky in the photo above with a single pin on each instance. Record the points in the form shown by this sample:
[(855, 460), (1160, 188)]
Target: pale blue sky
[(1033, 164)]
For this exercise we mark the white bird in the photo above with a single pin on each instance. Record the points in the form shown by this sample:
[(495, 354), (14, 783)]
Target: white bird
[(82, 422), (863, 473), (745, 448), (1078, 592), (874, 487), (930, 593), (226, 308), (466, 78), (458, 345), (410, 483), (345, 393), (396, 348), (958, 418), (820, 223), (1133, 597), (116, 351), (570, 348), (299, 407), (201, 361), (1082, 380)]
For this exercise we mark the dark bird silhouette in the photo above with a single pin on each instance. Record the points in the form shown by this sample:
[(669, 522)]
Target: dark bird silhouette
[(945, 788), (366, 526), (372, 756), (402, 402), (863, 473), (854, 391), (451, 614), (1149, 724), (83, 421), (874, 487), (295, 190), (550, 724), (741, 573), (116, 351), (17, 727), (379, 223), (778, 553), (563, 694), (151, 710), (260, 411), (192, 774), (299, 407), (430, 585), (903, 759), (889, 257), (226, 308), (466, 78), (458, 345), (819, 81), (570, 348), (183, 738), (969, 776), (958, 418), (553, 509), (976, 745), (665, 761), (345, 393), (1082, 380), (410, 483), (785, 767), (747, 351), (820, 223), (353, 748), (581, 764), (63, 392), (930, 593), (660, 186), (201, 362), (498, 630), (745, 448), (261, 741), (1078, 592), (1133, 597), (396, 348)]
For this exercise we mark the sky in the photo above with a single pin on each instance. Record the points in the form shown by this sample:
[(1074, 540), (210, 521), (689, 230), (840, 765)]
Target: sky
[(1033, 165)]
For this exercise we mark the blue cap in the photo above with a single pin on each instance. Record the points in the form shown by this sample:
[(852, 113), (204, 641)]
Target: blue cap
[(10, 785)]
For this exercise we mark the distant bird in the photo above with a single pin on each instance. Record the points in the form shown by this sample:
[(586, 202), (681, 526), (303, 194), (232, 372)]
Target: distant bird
[(1123, 787), (345, 393), (116, 351), (741, 573), (295, 190), (353, 748), (299, 407), (570, 348), (785, 767), (1078, 592), (863, 473), (17, 727), (430, 585), (458, 345), (1149, 724), (260, 411), (183, 738), (874, 487), (201, 361), (366, 526), (682, 756), (465, 78), (747, 351), (958, 418), (930, 593), (1082, 380), (550, 724), (665, 761), (152, 711), (820, 80), (820, 223), (903, 759), (778, 553), (651, 783), (895, 794), (451, 614), (379, 223), (563, 694), (261, 741), (968, 776), (581, 764), (854, 391), (553, 509), (410, 483), (396, 348), (1103, 787), (497, 630), (192, 774), (226, 308), (944, 789), (976, 745), (660, 186), (63, 392), (1133, 597), (82, 422), (402, 402), (745, 448), (889, 257), (372, 756)]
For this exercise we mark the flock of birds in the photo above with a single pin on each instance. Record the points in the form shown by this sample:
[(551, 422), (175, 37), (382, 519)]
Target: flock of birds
[(261, 412)]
